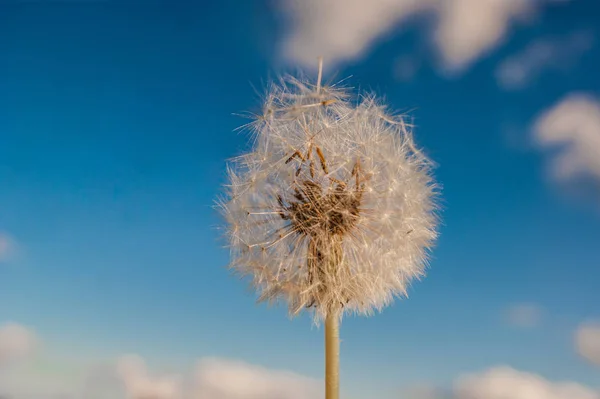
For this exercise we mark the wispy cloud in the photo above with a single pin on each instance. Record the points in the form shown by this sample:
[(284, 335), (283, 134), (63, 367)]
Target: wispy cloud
[(524, 315), (571, 128), (587, 342), (344, 30), (544, 54)]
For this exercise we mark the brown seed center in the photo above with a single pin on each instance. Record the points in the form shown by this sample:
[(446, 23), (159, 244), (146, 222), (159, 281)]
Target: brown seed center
[(319, 214)]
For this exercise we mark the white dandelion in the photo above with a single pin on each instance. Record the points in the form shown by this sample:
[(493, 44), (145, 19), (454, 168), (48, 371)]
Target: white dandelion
[(333, 209)]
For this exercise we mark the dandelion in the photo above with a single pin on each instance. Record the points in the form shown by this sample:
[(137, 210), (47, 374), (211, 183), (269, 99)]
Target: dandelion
[(333, 209)]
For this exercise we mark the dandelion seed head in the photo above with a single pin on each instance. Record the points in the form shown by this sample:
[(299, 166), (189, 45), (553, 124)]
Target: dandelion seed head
[(334, 207)]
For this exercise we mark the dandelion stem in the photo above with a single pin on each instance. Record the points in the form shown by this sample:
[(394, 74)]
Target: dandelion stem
[(332, 355)]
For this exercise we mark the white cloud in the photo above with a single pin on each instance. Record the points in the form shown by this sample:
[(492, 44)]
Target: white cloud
[(140, 385), (573, 125), (100, 381), (508, 383), (470, 28), (557, 54), (524, 315), (26, 372), (587, 342), (215, 378), (129, 377), (225, 379), (16, 343), (343, 30), (503, 382)]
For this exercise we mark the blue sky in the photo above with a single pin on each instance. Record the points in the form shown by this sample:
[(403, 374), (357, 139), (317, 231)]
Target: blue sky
[(116, 119)]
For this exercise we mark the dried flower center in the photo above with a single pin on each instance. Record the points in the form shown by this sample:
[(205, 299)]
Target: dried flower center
[(320, 214), (324, 215), (317, 214)]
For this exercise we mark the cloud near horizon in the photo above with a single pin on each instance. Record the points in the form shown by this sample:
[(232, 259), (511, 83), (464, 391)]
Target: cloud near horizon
[(16, 343), (504, 382), (250, 382), (129, 377), (344, 30), (507, 383), (138, 382), (215, 378)]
